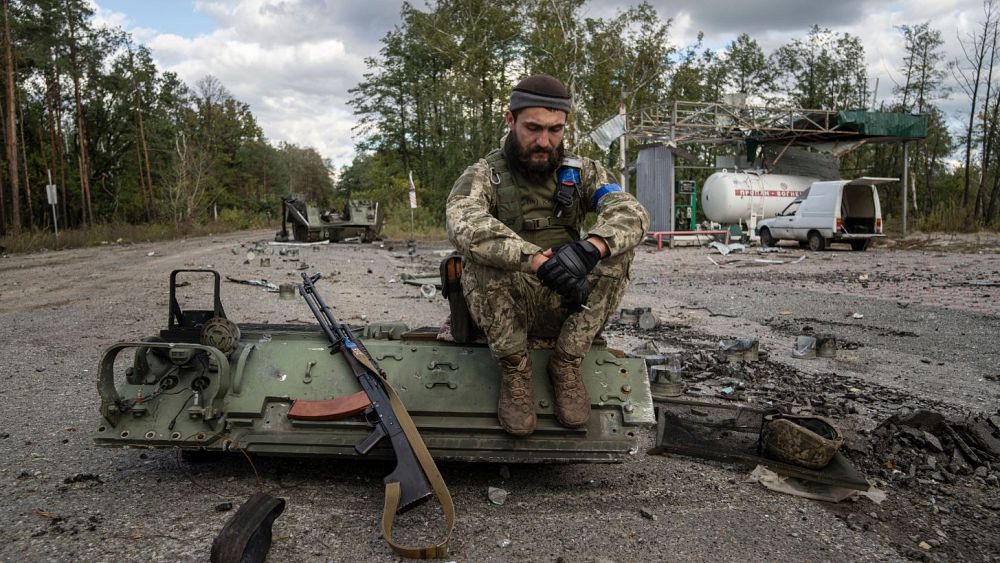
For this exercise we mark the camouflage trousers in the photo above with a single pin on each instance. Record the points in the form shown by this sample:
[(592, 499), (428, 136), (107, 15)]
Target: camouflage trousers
[(509, 306)]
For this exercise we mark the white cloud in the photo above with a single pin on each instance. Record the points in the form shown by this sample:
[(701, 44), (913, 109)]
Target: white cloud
[(293, 61)]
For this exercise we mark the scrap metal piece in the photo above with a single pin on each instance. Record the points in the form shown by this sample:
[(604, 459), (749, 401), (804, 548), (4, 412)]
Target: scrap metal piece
[(826, 346), (740, 349), (246, 537), (259, 283), (805, 347), (731, 433), (286, 291), (635, 316), (648, 321)]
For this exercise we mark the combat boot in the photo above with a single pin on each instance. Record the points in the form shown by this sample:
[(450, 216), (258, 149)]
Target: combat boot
[(516, 409), (572, 400)]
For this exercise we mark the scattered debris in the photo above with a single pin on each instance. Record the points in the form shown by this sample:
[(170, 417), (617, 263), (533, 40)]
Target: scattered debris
[(497, 496), (857, 316), (805, 347), (810, 489), (648, 514), (82, 477), (224, 507), (727, 249), (428, 290), (151, 253), (265, 262), (286, 291), (504, 543), (770, 250), (826, 345), (731, 433), (421, 279), (740, 349), (273, 288), (642, 317)]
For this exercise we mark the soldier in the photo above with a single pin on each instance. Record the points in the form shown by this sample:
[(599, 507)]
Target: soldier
[(516, 217)]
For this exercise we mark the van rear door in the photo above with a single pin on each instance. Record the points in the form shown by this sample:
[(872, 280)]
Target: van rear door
[(860, 212)]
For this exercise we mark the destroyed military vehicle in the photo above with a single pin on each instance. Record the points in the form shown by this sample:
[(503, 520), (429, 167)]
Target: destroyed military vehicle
[(359, 218), (207, 383)]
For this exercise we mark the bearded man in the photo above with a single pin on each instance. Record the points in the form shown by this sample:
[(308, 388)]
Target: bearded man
[(516, 216)]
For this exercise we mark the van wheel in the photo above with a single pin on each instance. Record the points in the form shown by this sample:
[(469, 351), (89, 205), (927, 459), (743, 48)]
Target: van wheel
[(816, 241), (765, 237), (861, 245)]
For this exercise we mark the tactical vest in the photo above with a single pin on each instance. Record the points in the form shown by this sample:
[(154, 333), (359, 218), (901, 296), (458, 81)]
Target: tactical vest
[(528, 208)]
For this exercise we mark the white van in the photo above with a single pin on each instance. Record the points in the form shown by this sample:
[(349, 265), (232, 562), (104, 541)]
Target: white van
[(837, 211)]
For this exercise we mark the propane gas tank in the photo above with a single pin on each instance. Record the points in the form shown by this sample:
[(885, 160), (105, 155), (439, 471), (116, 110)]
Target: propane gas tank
[(731, 197)]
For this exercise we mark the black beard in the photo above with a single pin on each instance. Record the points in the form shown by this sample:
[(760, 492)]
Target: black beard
[(519, 160)]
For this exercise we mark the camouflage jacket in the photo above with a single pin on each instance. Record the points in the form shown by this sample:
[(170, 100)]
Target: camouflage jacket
[(478, 235)]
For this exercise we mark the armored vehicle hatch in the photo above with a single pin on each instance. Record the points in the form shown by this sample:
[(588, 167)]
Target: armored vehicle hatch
[(206, 383)]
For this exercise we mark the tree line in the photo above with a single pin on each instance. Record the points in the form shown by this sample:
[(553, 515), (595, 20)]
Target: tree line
[(432, 100), (86, 109), (126, 142)]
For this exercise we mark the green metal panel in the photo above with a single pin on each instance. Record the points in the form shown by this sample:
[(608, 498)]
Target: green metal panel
[(450, 390), (884, 124)]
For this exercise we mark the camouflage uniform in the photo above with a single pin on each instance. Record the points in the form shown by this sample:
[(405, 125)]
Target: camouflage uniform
[(505, 298)]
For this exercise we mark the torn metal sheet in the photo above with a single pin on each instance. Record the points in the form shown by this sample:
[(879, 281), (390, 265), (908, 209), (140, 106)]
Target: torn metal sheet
[(272, 287), (727, 249), (731, 433), (809, 489), (421, 279), (805, 347)]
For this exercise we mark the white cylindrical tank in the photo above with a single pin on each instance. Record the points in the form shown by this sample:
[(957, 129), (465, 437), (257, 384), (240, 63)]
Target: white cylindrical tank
[(731, 197)]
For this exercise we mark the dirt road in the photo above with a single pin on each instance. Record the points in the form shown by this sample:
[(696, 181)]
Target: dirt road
[(918, 327)]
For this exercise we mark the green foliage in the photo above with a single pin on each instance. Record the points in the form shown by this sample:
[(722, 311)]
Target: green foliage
[(823, 71), (153, 149), (433, 101), (122, 234)]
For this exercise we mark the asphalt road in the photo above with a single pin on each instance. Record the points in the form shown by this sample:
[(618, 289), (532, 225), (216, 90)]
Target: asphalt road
[(926, 336)]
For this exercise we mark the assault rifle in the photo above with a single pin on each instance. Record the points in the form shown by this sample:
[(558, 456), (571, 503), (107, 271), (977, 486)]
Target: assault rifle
[(409, 472)]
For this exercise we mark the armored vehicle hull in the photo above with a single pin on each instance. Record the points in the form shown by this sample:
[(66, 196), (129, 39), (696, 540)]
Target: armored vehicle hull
[(359, 218), (196, 392)]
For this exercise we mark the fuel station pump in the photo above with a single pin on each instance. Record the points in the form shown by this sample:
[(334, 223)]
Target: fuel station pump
[(686, 205)]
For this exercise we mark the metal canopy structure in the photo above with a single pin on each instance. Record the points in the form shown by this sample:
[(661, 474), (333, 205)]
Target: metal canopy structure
[(682, 122), (775, 129)]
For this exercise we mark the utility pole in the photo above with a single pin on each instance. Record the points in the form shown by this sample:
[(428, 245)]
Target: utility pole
[(52, 194), (906, 170), (623, 144)]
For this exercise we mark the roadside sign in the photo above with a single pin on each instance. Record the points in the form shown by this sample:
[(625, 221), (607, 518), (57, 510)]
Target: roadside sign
[(50, 191)]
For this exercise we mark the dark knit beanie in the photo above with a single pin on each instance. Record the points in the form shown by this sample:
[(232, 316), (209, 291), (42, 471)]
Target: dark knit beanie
[(540, 90)]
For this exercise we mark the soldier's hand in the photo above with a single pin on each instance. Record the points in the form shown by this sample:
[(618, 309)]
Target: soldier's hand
[(568, 265), (575, 299)]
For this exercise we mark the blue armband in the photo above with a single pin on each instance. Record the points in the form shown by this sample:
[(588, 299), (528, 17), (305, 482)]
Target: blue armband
[(601, 192)]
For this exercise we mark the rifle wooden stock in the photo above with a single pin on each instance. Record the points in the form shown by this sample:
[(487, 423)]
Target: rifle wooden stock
[(330, 409)]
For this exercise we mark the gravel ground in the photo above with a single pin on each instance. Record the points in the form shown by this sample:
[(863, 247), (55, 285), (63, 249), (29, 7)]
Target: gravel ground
[(927, 338)]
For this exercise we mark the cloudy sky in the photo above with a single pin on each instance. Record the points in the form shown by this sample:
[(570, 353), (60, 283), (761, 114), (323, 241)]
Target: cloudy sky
[(293, 61)]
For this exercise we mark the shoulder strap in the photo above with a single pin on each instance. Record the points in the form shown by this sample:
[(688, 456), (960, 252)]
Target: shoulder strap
[(392, 489)]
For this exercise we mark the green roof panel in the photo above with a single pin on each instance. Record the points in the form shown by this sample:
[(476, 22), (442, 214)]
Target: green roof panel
[(883, 124)]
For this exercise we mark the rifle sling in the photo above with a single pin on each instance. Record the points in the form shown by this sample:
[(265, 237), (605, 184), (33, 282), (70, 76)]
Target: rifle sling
[(392, 489)]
